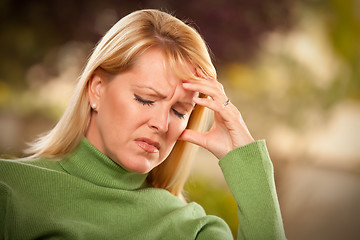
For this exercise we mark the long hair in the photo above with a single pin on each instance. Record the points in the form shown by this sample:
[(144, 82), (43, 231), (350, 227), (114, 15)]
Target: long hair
[(115, 53)]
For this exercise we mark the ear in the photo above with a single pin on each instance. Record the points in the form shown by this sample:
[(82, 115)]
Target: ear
[(95, 89)]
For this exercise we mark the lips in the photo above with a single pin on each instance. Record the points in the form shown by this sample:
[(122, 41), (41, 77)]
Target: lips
[(148, 145)]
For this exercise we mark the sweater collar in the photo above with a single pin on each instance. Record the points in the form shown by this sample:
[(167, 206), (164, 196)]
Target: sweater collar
[(88, 163)]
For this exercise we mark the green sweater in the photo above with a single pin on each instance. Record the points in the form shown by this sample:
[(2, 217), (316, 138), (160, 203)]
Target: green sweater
[(87, 196)]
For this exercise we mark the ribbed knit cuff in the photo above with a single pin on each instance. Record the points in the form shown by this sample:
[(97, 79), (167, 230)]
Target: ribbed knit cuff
[(251, 154)]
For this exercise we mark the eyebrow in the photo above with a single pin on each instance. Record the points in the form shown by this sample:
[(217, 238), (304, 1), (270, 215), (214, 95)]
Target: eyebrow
[(153, 89), (162, 96)]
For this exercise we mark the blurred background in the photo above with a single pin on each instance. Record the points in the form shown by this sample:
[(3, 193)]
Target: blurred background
[(292, 67)]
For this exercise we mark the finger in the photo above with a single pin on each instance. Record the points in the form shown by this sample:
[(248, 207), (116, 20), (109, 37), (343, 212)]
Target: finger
[(207, 102), (194, 137), (202, 87), (200, 78), (205, 80), (201, 73), (215, 91), (228, 115)]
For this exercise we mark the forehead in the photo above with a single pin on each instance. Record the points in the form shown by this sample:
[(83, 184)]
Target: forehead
[(157, 64), (154, 74)]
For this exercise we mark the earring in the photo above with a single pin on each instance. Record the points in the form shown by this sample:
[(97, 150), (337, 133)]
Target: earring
[(93, 106)]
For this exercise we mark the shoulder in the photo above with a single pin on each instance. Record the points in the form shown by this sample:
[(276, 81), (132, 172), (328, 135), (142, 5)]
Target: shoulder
[(208, 226), (12, 171), (190, 219), (44, 163)]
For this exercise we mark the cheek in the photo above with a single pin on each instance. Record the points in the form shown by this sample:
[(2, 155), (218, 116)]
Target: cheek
[(111, 110), (117, 115), (177, 128)]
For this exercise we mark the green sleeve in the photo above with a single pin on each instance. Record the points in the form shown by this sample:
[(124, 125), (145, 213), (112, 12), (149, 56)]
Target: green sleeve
[(215, 229), (249, 174), (3, 208)]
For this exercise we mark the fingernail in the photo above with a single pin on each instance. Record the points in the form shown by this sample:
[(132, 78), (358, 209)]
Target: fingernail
[(186, 84)]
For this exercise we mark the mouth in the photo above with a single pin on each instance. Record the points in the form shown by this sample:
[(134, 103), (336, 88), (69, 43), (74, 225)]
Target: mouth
[(148, 145)]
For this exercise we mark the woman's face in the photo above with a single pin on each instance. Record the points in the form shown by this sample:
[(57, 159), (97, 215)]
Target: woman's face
[(140, 113)]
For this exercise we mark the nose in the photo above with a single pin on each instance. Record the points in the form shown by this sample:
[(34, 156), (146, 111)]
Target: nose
[(159, 120)]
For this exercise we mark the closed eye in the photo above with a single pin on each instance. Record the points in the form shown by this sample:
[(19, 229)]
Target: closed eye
[(150, 103), (143, 101), (180, 115)]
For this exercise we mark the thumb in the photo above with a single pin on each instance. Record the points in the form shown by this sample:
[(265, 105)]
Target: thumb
[(194, 137)]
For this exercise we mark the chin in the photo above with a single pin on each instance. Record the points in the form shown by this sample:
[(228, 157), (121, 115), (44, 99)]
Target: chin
[(140, 169), (141, 166)]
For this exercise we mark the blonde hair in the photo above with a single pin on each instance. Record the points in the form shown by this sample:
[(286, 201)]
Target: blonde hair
[(115, 53)]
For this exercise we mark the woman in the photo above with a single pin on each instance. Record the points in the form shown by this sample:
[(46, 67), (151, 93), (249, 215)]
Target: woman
[(115, 164)]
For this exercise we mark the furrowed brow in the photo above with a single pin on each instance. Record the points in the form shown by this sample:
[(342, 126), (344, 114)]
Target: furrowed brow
[(154, 90), (186, 103)]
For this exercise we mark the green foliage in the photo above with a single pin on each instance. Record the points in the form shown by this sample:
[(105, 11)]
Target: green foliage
[(342, 18)]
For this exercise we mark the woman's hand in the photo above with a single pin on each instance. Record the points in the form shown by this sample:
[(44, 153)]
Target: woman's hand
[(228, 130)]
